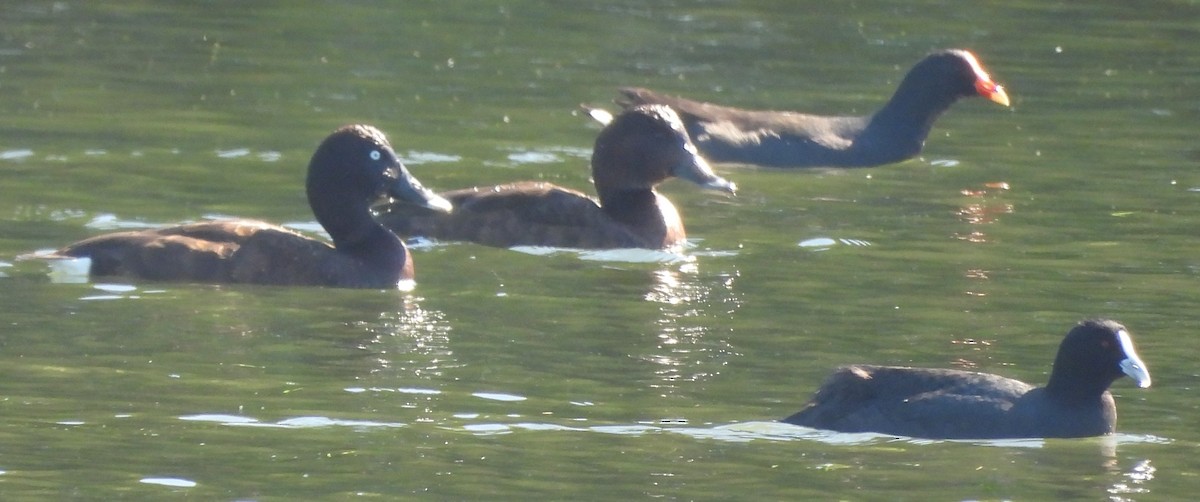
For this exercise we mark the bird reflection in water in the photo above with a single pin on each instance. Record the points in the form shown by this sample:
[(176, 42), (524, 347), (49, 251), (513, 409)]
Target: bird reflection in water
[(981, 210), (410, 340), (692, 307), (1134, 483)]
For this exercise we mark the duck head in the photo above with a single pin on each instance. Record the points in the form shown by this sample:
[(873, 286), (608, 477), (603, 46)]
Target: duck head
[(646, 145), (353, 168)]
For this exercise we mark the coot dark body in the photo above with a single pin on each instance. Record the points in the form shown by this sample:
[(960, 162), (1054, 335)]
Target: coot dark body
[(639, 149), (351, 169), (789, 139), (954, 404)]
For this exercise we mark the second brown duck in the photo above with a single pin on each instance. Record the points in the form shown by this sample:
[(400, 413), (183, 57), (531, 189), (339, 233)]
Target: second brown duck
[(639, 149)]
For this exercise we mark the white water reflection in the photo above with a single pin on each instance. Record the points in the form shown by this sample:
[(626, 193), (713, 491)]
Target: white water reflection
[(411, 340), (409, 344), (630, 255), (984, 205), (1135, 481), (547, 155), (499, 396), (826, 243), (305, 422), (690, 344), (743, 432), (18, 154), (414, 157), (172, 482)]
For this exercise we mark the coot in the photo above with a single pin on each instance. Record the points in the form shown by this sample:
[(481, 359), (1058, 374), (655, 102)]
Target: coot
[(954, 404)]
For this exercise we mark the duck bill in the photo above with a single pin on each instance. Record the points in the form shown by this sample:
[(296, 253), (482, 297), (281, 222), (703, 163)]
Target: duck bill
[(407, 189), (1132, 366), (992, 91), (697, 170)]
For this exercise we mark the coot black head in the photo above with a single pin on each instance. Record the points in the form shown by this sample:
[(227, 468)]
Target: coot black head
[(1093, 355)]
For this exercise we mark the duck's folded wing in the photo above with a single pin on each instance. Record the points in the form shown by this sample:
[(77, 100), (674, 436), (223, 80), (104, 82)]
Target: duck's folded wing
[(536, 203), (196, 251), (518, 214)]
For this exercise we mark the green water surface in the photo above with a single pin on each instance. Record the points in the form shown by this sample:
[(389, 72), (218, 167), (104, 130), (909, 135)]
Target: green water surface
[(571, 376)]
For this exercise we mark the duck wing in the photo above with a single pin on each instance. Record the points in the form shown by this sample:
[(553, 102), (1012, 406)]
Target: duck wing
[(192, 252), (517, 214)]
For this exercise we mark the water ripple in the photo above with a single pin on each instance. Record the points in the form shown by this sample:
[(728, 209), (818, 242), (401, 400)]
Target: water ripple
[(306, 422), (826, 243), (19, 154), (172, 482)]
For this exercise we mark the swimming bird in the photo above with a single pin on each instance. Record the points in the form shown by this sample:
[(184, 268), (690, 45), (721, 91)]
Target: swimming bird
[(351, 169), (640, 148), (895, 132), (955, 404)]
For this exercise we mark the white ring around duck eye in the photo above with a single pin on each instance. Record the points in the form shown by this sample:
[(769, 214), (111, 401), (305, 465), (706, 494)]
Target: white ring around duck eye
[(375, 155)]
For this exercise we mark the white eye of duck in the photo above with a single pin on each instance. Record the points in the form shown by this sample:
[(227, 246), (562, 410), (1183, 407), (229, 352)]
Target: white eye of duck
[(375, 155)]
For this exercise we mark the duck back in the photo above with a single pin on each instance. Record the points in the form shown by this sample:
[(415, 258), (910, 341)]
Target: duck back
[(531, 214)]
